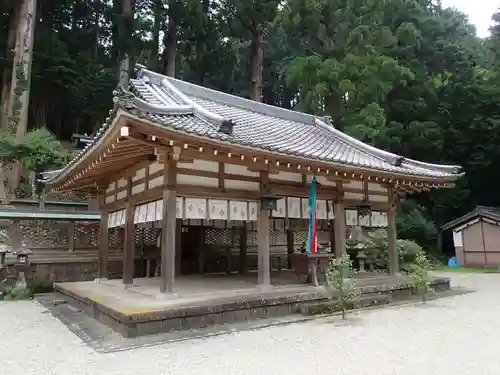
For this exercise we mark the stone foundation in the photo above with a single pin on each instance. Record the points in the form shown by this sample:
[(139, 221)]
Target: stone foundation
[(217, 310)]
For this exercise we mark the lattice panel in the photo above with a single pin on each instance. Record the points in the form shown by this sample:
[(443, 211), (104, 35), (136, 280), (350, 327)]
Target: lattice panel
[(277, 238), (115, 237), (236, 236), (65, 197), (86, 235), (300, 238), (151, 236), (218, 236), (252, 238), (146, 236), (323, 237), (43, 233)]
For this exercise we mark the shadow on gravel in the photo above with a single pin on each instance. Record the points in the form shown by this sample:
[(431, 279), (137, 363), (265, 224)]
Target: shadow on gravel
[(337, 321)]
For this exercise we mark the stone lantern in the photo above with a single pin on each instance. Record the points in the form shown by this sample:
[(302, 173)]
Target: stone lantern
[(4, 250), (23, 255)]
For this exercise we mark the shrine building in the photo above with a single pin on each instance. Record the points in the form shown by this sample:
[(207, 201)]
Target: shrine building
[(198, 171)]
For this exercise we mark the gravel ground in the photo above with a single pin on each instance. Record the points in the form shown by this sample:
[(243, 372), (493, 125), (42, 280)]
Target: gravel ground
[(457, 335)]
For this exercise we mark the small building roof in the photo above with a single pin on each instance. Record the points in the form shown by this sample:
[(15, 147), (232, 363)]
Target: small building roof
[(185, 108), (491, 213)]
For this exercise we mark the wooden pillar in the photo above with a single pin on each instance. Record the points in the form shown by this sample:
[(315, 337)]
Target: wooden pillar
[(169, 223), (102, 256), (243, 248), (339, 228), (290, 246), (41, 203), (392, 242), (263, 254), (102, 251), (201, 249), (178, 246), (95, 202), (71, 236), (331, 228), (129, 240), (263, 248)]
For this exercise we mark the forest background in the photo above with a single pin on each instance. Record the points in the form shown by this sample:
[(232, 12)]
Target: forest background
[(408, 76)]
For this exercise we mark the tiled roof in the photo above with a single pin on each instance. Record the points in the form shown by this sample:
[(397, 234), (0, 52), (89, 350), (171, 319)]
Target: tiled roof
[(275, 129), (188, 108)]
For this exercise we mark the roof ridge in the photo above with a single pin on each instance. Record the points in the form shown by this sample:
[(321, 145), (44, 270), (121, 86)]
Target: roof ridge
[(177, 95), (184, 87)]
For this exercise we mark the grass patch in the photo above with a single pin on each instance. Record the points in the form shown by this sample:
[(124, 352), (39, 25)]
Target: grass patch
[(467, 269)]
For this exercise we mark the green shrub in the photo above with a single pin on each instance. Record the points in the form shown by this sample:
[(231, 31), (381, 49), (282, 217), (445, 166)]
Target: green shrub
[(415, 223), (377, 254), (418, 275), (18, 293), (345, 290)]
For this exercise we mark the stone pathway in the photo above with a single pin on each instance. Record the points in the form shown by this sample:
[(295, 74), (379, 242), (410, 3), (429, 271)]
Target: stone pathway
[(456, 335)]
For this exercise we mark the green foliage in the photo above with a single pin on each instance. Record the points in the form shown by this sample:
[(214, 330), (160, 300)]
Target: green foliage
[(418, 275), (38, 150), (413, 223), (344, 289), (344, 71), (15, 293), (377, 254), (408, 76)]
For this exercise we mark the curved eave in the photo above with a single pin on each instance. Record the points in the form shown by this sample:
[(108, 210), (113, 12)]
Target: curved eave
[(111, 154), (102, 143)]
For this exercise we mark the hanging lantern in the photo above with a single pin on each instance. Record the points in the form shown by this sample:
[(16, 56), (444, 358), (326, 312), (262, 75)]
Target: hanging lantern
[(269, 201), (364, 208)]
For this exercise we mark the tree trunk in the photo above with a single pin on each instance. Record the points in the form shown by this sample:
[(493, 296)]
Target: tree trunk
[(97, 31), (171, 40), (7, 74), (256, 64), (19, 94), (125, 36), (20, 85), (158, 14)]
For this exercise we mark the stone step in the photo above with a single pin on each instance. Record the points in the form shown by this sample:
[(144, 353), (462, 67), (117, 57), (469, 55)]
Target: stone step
[(330, 306)]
